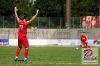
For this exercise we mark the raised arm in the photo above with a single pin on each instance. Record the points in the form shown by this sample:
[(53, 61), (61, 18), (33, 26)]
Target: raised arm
[(15, 10), (33, 16)]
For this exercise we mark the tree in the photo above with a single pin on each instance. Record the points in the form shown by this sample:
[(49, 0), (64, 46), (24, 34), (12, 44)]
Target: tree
[(84, 7), (24, 6), (50, 8), (6, 7)]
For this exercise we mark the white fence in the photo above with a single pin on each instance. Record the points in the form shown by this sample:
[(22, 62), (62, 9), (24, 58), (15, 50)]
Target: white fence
[(51, 42)]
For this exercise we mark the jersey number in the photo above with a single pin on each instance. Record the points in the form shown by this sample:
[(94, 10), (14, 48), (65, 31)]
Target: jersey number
[(21, 27)]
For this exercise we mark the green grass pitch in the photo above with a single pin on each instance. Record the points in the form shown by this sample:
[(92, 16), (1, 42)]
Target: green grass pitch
[(43, 56)]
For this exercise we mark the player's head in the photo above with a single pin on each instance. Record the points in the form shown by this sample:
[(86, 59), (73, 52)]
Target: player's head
[(24, 16), (83, 33)]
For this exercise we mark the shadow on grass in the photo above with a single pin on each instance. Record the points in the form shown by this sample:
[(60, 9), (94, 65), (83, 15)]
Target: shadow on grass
[(20, 60)]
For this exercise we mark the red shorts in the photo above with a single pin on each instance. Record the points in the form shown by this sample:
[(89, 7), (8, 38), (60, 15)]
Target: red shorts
[(23, 41), (84, 43)]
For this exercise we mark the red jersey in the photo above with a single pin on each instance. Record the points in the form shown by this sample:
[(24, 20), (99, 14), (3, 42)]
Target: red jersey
[(83, 38), (23, 28)]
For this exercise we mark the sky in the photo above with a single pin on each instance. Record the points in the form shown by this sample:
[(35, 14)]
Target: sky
[(32, 0)]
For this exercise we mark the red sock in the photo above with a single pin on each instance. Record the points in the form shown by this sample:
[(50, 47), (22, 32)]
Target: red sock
[(18, 51), (26, 53)]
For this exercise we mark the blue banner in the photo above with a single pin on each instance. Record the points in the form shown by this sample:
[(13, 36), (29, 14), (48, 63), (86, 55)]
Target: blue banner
[(4, 41)]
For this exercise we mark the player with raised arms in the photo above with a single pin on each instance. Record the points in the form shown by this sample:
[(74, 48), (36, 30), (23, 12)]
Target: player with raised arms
[(22, 38)]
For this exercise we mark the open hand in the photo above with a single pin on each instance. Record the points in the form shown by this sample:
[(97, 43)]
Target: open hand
[(16, 9), (37, 11)]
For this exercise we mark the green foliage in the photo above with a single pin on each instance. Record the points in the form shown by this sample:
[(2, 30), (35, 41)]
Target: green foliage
[(49, 8), (25, 7), (76, 22), (1, 21), (43, 22), (84, 7), (6, 7)]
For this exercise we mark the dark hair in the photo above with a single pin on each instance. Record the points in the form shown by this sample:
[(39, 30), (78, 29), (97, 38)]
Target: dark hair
[(24, 16), (83, 32)]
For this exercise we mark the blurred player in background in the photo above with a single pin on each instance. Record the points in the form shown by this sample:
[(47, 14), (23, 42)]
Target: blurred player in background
[(95, 42), (22, 38), (84, 40)]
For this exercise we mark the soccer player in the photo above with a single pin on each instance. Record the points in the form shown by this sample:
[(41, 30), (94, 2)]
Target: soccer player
[(22, 38), (84, 39), (96, 39), (95, 42)]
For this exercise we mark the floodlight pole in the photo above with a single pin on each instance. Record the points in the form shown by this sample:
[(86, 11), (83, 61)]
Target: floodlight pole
[(68, 13)]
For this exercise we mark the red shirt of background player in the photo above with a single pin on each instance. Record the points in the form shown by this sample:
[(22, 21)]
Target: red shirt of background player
[(83, 40)]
